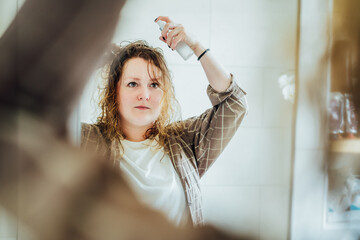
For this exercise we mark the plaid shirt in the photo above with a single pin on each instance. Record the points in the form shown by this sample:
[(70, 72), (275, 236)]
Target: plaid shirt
[(196, 148)]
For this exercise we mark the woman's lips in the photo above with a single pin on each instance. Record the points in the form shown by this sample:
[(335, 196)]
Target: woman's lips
[(142, 107)]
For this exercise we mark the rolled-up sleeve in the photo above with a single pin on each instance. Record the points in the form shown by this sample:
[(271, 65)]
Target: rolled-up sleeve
[(209, 133)]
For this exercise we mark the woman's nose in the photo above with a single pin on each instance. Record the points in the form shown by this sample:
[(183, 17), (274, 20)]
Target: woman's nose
[(144, 94)]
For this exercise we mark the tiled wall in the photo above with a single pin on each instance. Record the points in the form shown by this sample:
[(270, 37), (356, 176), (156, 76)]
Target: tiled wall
[(247, 189)]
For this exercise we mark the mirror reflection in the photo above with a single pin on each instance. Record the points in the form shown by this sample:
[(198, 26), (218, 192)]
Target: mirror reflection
[(249, 183)]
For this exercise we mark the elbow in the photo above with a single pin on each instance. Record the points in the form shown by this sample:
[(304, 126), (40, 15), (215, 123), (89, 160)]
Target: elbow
[(244, 106)]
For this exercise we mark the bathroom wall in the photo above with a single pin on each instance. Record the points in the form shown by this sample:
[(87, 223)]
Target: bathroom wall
[(247, 189)]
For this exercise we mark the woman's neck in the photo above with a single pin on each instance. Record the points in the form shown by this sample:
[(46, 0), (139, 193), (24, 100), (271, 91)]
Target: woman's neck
[(135, 134)]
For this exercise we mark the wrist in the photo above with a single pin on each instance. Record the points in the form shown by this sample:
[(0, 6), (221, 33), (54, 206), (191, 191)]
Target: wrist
[(198, 49)]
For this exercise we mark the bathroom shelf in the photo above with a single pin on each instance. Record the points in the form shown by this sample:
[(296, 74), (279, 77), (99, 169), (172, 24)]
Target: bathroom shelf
[(345, 146), (348, 216)]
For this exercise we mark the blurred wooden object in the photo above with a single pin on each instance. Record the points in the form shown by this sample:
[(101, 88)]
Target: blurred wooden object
[(346, 146)]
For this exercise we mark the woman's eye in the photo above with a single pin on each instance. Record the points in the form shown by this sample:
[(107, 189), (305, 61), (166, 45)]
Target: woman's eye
[(154, 85), (132, 84)]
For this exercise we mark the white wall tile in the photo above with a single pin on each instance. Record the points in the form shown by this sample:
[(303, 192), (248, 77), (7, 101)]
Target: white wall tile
[(8, 224), (137, 22), (277, 111), (276, 159), (7, 14), (274, 209), (235, 209), (20, 3), (239, 163), (89, 101), (190, 85), (254, 33), (308, 195), (310, 131), (254, 156)]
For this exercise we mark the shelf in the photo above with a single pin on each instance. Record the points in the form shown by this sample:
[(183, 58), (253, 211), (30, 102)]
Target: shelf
[(348, 216), (345, 146)]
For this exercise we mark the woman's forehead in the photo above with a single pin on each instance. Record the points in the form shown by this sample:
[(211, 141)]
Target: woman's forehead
[(139, 68)]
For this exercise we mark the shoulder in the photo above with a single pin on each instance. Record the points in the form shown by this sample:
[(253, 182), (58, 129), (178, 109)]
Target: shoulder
[(92, 133), (87, 128)]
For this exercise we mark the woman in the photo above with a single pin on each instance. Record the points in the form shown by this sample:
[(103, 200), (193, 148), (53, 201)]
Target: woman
[(161, 159)]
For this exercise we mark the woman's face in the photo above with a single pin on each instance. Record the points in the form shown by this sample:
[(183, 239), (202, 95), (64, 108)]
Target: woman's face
[(139, 95)]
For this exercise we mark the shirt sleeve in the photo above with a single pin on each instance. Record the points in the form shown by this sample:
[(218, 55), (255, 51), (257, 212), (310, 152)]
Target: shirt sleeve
[(209, 133)]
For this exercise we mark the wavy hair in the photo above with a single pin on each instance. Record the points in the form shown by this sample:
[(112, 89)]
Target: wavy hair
[(109, 118)]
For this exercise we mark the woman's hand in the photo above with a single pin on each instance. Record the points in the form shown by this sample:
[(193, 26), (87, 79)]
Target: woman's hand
[(174, 33), (219, 78)]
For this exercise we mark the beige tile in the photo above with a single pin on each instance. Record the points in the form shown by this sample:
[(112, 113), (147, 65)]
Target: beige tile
[(235, 209), (254, 33), (274, 210)]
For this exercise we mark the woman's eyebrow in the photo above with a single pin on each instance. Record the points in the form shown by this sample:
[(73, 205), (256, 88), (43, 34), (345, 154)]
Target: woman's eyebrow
[(132, 78)]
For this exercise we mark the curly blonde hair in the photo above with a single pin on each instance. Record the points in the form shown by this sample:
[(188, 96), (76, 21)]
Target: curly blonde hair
[(110, 116)]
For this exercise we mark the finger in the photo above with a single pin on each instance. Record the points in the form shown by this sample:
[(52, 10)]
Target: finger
[(166, 29), (179, 30), (175, 41), (162, 39), (163, 18)]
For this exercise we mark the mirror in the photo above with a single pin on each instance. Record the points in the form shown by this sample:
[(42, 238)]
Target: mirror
[(247, 189)]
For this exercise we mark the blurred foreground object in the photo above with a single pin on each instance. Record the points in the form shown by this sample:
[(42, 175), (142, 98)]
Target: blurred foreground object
[(55, 190)]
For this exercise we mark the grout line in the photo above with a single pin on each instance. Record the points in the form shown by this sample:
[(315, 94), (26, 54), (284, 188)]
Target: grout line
[(263, 98), (267, 127)]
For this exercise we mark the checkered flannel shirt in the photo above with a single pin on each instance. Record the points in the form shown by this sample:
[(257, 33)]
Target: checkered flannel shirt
[(196, 148)]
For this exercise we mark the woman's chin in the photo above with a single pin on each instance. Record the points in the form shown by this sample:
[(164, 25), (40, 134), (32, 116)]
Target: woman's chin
[(144, 123)]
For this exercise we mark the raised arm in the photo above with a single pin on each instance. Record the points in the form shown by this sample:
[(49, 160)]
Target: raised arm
[(218, 77)]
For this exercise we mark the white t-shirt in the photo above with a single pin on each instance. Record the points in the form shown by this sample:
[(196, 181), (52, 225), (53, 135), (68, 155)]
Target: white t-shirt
[(154, 180)]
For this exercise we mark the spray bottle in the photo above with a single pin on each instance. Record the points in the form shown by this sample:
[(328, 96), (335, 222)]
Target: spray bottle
[(182, 48)]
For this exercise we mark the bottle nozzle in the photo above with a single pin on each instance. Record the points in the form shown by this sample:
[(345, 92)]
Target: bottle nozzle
[(161, 24)]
